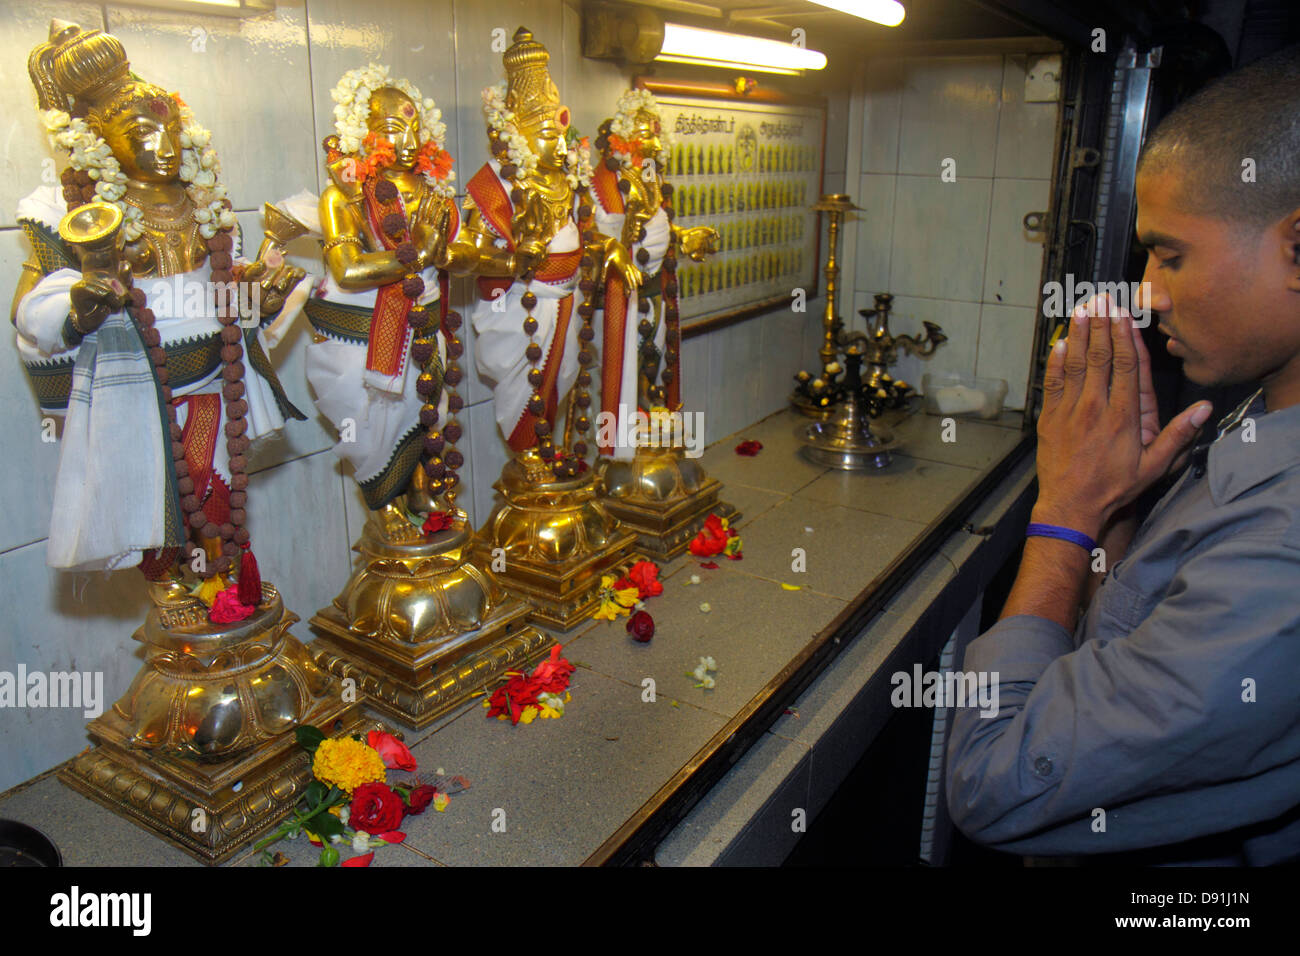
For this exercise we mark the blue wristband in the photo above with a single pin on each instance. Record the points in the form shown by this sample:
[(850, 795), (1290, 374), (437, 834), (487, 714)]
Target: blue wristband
[(1065, 534)]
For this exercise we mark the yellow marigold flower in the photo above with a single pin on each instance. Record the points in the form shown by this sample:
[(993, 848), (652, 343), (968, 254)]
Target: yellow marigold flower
[(347, 764)]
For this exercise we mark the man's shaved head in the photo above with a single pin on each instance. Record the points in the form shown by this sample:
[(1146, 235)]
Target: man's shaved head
[(1253, 113)]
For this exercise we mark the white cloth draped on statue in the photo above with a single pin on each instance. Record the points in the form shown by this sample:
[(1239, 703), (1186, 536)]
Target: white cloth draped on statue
[(372, 416), (499, 338), (658, 235), (107, 450)]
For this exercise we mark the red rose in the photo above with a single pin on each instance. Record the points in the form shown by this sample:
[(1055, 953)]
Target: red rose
[(392, 751), (376, 809), (438, 521), (749, 447), (420, 798), (641, 626)]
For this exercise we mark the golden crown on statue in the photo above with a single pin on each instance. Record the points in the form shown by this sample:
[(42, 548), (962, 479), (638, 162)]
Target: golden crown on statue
[(530, 93)]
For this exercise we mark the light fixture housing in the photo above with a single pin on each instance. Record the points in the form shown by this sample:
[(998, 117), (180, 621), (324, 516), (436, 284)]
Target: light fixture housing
[(215, 8), (888, 13), (637, 35)]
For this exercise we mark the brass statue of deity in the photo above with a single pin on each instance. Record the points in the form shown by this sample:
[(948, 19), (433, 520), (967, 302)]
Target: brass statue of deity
[(138, 323), (421, 624), (530, 238), (653, 481)]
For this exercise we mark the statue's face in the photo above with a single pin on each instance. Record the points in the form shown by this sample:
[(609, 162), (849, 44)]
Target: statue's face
[(394, 117), (146, 139), (647, 128), (547, 139)]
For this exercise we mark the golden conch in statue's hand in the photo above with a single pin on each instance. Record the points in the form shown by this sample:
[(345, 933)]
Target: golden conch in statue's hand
[(700, 242)]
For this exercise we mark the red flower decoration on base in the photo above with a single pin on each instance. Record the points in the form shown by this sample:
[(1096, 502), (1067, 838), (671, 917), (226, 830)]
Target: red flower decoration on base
[(227, 609), (438, 521)]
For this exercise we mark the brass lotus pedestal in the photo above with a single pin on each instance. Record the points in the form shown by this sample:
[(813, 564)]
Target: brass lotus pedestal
[(663, 497), (201, 750), (422, 625), (556, 539)]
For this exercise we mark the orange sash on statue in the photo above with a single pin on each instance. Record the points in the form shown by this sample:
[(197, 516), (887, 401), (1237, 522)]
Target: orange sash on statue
[(604, 184), (387, 348)]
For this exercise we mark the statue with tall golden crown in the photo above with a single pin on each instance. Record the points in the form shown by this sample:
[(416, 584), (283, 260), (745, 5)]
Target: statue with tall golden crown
[(421, 624), (654, 483), (529, 237), (161, 401)]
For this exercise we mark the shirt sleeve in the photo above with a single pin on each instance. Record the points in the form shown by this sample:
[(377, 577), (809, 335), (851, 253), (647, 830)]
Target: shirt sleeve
[(1167, 728)]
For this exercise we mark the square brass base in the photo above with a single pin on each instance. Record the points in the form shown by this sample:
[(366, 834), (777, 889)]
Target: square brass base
[(665, 529), (210, 810), (416, 684), (561, 596)]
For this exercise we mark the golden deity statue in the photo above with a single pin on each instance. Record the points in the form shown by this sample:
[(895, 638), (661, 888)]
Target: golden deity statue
[(529, 238), (649, 445), (420, 625), (139, 323)]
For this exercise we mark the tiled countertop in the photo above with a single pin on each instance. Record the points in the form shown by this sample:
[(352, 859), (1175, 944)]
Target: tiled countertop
[(566, 785)]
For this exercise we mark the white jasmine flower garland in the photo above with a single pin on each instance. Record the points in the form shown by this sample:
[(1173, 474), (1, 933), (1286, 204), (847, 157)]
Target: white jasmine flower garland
[(199, 170), (351, 96)]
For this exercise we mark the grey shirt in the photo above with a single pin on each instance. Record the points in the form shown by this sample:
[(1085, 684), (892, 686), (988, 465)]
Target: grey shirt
[(1174, 708)]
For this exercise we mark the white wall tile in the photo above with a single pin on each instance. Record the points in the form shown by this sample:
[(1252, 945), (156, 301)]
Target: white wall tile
[(881, 104), (299, 531), (59, 621), (1026, 131), (27, 480), (1006, 348), (949, 109), (874, 226), (1015, 255), (940, 236)]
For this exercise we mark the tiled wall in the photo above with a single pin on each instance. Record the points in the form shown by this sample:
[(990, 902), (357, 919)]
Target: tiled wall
[(262, 86), (955, 253)]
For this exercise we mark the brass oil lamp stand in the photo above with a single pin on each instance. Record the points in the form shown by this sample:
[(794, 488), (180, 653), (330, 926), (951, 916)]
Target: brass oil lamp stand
[(812, 396)]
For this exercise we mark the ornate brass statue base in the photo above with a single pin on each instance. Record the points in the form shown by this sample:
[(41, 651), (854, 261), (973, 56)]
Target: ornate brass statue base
[(663, 497), (556, 540), (200, 751), (421, 625)]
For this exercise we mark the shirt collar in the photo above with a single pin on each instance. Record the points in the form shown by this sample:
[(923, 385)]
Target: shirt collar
[(1253, 445)]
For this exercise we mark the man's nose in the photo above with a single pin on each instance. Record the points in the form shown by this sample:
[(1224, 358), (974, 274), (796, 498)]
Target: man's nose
[(1151, 295)]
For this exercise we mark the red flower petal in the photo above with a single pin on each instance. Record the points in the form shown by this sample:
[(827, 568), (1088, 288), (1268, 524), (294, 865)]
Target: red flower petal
[(359, 860), (393, 836), (709, 564)]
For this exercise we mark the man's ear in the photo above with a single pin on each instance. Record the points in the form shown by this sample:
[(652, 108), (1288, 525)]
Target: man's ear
[(1291, 250)]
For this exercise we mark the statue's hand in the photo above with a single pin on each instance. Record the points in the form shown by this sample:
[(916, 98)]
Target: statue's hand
[(96, 295), (619, 259), (429, 233), (700, 242), (275, 279)]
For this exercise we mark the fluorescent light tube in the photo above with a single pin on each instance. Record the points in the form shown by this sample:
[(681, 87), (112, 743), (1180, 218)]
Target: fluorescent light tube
[(683, 44)]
